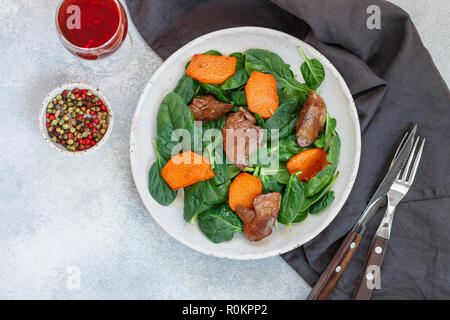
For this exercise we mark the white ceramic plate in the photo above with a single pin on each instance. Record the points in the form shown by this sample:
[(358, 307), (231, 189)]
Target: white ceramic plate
[(143, 130)]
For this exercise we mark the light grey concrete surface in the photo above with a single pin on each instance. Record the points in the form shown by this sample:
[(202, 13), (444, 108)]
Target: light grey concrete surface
[(61, 215), (431, 18)]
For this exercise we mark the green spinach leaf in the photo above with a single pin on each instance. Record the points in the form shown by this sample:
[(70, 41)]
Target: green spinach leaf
[(233, 171), (158, 187), (213, 53), (296, 89), (269, 62), (238, 98), (300, 217), (215, 90), (202, 196), (289, 147), (291, 201), (214, 124), (323, 178), (271, 185), (312, 71), (173, 114), (321, 205), (309, 201), (240, 77), (259, 120), (274, 179), (219, 223), (285, 117), (325, 135), (187, 88)]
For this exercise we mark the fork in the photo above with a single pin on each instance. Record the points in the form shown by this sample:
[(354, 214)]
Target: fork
[(370, 276)]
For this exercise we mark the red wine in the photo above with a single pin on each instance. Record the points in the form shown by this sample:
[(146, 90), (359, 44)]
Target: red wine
[(90, 24)]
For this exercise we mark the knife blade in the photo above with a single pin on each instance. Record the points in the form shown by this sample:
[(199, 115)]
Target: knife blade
[(337, 265), (396, 165)]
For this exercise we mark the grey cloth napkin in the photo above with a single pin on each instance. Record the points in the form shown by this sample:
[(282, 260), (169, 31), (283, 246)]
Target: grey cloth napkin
[(394, 83)]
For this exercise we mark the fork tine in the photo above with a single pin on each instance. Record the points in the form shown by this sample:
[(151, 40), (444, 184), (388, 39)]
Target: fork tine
[(410, 158), (416, 163)]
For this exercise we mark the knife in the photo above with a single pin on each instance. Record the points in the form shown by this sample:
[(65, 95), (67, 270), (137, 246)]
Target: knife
[(337, 265)]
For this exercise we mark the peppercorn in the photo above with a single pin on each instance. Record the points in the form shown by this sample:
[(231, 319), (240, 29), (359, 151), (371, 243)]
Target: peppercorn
[(76, 119)]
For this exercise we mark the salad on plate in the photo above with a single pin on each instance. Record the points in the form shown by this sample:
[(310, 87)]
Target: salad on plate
[(248, 144)]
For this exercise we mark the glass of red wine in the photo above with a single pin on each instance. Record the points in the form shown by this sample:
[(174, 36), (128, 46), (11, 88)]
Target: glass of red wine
[(96, 32)]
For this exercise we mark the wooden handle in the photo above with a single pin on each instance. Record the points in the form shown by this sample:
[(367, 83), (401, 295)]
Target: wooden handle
[(335, 268), (370, 275)]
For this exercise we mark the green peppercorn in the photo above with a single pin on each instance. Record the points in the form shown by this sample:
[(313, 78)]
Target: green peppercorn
[(67, 110)]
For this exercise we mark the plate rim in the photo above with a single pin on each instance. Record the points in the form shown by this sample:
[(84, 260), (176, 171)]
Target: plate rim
[(353, 111)]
